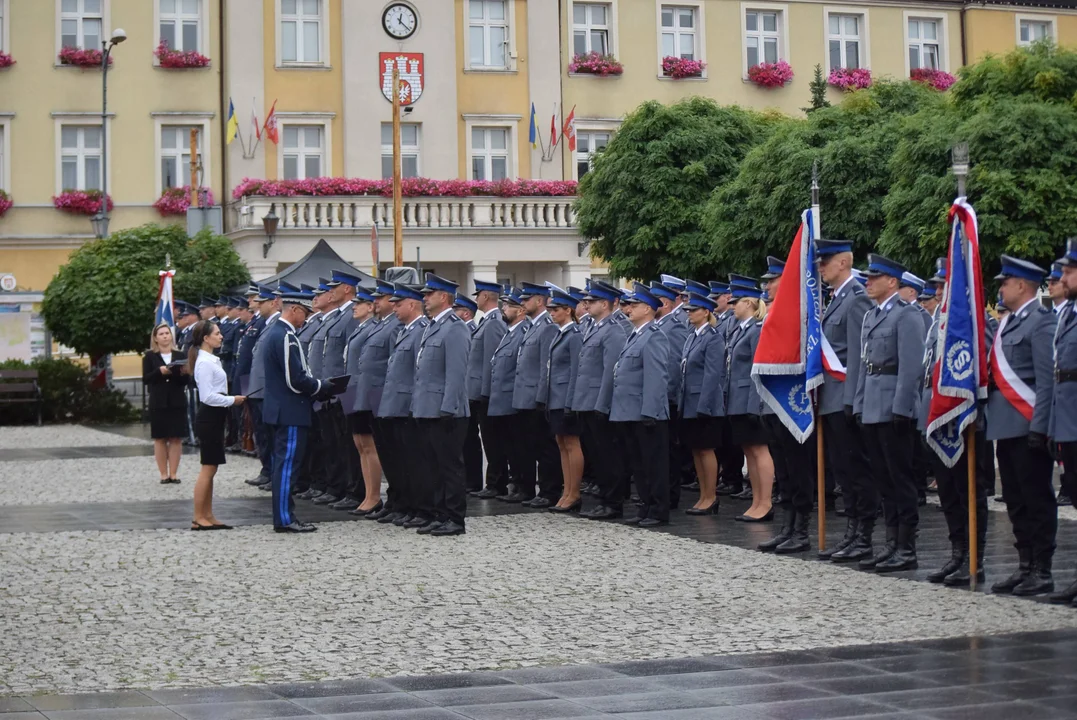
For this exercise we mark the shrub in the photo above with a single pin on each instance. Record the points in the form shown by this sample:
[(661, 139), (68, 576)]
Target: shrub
[(68, 397)]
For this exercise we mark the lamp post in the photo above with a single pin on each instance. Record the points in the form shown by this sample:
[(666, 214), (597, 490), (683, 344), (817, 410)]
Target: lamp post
[(959, 156), (100, 220), (269, 224)]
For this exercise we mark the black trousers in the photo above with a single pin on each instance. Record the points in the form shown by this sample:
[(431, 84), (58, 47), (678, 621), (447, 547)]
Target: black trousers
[(647, 450), (473, 448), (348, 482), (1027, 475), (263, 443), (401, 463), (731, 458), (442, 444), (551, 479), (389, 458), (609, 463), (325, 446), (499, 447), (891, 448), (953, 484), (847, 460), (1069, 473), (797, 462), (681, 466)]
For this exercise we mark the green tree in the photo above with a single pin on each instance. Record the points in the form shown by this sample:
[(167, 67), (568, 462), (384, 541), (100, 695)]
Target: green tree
[(818, 91), (102, 300), (642, 202)]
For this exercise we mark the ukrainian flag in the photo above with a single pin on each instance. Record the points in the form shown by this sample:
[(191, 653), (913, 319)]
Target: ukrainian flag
[(233, 122), (533, 133)]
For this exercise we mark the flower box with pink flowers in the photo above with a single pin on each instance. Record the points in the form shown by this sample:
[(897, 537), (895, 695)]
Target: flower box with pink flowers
[(412, 187), (594, 63), (177, 200), (6, 60), (937, 79), (5, 203), (82, 58), (680, 68), (771, 75), (850, 79), (81, 202), (179, 59)]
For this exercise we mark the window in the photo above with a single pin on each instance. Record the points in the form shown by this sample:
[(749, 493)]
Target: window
[(587, 146), (843, 37), (590, 28), (489, 153), (80, 157), (762, 36), (304, 151), (488, 33), (176, 155), (2, 3), (679, 32), (1031, 30), (301, 31), (80, 23), (409, 150), (180, 24), (924, 44)]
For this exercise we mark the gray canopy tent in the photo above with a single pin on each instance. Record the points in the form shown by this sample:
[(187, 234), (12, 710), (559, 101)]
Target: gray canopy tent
[(321, 261)]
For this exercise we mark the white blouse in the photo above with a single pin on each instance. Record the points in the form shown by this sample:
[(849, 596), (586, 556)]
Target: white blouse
[(211, 380)]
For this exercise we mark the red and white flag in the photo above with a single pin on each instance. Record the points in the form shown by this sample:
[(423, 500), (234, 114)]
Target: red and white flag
[(553, 128), (569, 130), (254, 122), (270, 126), (1013, 388)]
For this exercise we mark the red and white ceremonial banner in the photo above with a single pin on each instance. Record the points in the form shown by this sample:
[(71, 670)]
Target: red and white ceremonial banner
[(1013, 388), (412, 77), (831, 362)]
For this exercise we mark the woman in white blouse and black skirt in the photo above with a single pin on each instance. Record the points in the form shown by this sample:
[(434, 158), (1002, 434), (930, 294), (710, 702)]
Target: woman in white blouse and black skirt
[(213, 404)]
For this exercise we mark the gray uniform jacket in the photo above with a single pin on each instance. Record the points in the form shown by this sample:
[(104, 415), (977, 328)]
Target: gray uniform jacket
[(309, 328), (889, 382), (441, 370), (484, 341), (503, 369), (842, 322), (316, 350), (400, 372), (352, 352), (926, 370), (640, 379), (621, 319), (1064, 411), (925, 317), (562, 365), (585, 322), (373, 362), (1025, 339), (256, 386), (530, 388), (741, 396), (602, 344), (675, 327), (702, 369), (336, 342)]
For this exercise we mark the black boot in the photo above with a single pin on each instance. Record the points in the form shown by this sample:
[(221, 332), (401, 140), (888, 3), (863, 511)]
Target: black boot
[(798, 541), (869, 563), (1066, 596), (1023, 567), (1039, 580), (958, 558), (904, 557), (861, 547), (852, 526), (961, 577), (788, 518)]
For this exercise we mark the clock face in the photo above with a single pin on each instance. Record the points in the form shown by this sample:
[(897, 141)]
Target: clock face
[(399, 21)]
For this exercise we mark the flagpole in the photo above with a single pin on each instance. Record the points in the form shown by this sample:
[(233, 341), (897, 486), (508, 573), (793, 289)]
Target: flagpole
[(398, 204), (820, 456)]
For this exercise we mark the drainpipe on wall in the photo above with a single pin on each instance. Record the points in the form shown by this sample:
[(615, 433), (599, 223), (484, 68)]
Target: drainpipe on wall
[(225, 216), (964, 49)]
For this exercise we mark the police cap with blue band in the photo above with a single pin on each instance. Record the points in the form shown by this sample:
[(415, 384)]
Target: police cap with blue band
[(484, 286), (672, 282), (439, 284), (599, 290), (695, 300), (362, 294), (775, 268), (528, 290), (718, 288), (560, 298), (576, 293), (302, 299), (743, 286), (1023, 269), (1056, 272), (339, 276), (465, 302), (512, 297), (825, 248), (1070, 258), (384, 289), (881, 265), (642, 294), (911, 281), (664, 291), (692, 286), (403, 291)]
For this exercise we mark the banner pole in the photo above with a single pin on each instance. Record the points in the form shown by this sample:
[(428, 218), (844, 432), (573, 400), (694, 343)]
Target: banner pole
[(974, 549), (820, 480)]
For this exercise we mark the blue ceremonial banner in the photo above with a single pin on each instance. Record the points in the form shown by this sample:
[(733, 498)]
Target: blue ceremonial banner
[(789, 357), (165, 312)]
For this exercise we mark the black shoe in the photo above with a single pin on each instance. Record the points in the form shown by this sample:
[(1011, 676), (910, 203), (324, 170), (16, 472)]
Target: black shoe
[(766, 518), (631, 520), (786, 532), (921, 501), (745, 494), (778, 499), (326, 499), (1024, 566), (540, 503), (414, 522), (1039, 580), (403, 519), (1063, 499), (429, 527), (308, 494), (360, 512), (711, 509), (961, 576), (798, 541), (652, 522), (1064, 596), (487, 494), (727, 489), (260, 480), (379, 512), (999, 499), (448, 528), (904, 556), (348, 503), (861, 547), (958, 558), (603, 512), (869, 563), (515, 497), (851, 527), (296, 527), (268, 487), (390, 517), (573, 508)]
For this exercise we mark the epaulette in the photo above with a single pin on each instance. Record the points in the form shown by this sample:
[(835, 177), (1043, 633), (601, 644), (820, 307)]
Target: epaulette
[(655, 328), (453, 317)]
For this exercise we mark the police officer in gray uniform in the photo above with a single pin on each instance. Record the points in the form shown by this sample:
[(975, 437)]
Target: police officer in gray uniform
[(640, 408), (668, 320), (1063, 428), (504, 420), (311, 326), (326, 466), (439, 406), (359, 424), (484, 340), (842, 321), (1018, 419), (887, 399), (730, 455), (910, 290)]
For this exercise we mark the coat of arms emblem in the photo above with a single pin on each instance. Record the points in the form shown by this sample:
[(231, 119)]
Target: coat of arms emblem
[(410, 66)]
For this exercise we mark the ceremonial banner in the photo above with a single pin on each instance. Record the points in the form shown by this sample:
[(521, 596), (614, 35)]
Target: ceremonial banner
[(789, 358), (959, 377), (165, 312)]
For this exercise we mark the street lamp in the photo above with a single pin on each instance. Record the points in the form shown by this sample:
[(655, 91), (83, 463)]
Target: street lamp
[(269, 224), (959, 157), (100, 220)]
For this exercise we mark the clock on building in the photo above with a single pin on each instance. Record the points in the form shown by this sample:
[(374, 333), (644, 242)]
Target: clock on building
[(400, 21)]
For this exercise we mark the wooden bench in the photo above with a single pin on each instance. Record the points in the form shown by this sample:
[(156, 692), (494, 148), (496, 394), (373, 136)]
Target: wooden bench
[(26, 391)]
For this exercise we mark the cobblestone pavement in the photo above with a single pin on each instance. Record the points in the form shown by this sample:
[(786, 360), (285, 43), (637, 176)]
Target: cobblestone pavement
[(168, 608), (48, 436), (100, 480)]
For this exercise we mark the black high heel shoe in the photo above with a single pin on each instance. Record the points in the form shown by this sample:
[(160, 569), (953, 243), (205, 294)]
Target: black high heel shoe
[(359, 512), (712, 509), (573, 508), (197, 526), (221, 526), (766, 518)]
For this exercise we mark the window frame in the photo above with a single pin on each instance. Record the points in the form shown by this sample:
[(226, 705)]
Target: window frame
[(864, 37), (203, 27), (700, 31), (509, 122), (106, 26), (5, 25), (5, 151), (324, 34), (404, 149), (782, 11), (943, 37), (590, 127), (1050, 20), (81, 120), (510, 49), (323, 120), (611, 24), (202, 120)]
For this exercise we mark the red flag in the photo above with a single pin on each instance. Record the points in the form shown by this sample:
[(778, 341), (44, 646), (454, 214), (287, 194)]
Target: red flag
[(270, 126), (553, 128), (569, 130), (254, 122)]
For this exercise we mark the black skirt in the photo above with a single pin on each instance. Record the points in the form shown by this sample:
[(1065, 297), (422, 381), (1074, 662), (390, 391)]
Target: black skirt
[(209, 429), (747, 430), (701, 432), (560, 424), (361, 423), (168, 423)]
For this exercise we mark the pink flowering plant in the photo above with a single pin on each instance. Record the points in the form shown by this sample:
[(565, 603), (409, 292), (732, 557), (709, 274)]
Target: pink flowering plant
[(6, 60), (594, 63), (771, 75), (937, 79), (176, 201), (850, 80), (412, 187), (81, 58), (179, 59), (5, 203), (678, 68), (81, 202)]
